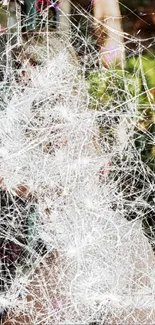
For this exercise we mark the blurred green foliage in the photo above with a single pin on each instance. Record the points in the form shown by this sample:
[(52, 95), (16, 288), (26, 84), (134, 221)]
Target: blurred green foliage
[(136, 80), (145, 131), (116, 91), (135, 84)]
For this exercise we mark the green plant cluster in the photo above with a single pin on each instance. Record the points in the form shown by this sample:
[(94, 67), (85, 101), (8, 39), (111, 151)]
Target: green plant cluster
[(145, 129), (116, 91), (135, 84)]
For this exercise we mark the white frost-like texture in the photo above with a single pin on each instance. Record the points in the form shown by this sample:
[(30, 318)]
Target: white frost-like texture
[(99, 267)]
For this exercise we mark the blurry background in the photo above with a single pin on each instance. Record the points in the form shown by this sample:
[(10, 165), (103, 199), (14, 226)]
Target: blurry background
[(138, 18)]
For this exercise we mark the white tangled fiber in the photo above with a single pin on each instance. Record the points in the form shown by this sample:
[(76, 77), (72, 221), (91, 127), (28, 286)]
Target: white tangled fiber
[(99, 267)]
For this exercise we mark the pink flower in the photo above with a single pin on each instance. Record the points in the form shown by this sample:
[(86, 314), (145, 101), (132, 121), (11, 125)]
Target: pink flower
[(3, 30), (110, 52)]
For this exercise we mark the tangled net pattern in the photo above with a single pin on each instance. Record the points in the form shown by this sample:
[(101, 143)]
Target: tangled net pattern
[(71, 252)]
